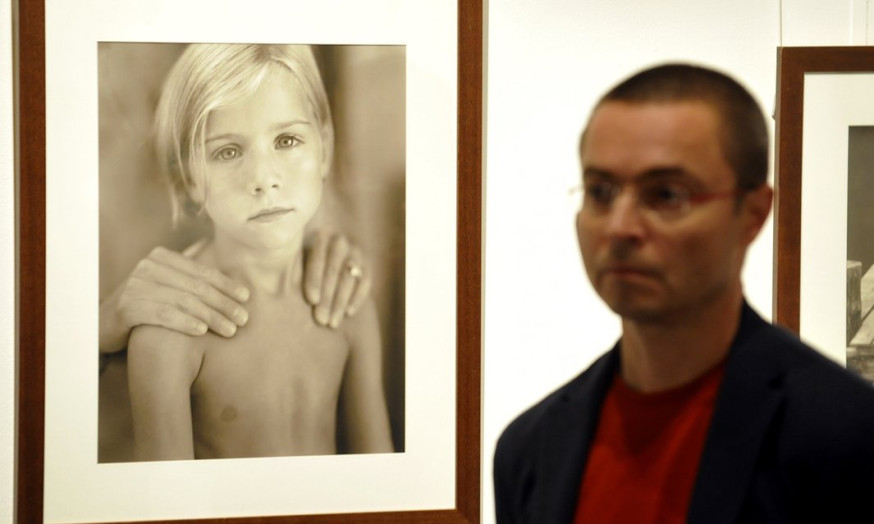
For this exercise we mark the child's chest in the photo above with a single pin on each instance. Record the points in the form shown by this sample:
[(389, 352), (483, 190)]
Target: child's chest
[(280, 353)]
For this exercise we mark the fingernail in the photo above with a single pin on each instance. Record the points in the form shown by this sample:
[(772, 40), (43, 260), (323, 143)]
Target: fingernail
[(335, 323), (243, 294), (315, 295), (228, 329), (200, 328), (321, 316), (241, 316), (350, 311)]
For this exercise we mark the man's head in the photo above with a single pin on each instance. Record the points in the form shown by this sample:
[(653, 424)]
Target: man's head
[(743, 132), (674, 172)]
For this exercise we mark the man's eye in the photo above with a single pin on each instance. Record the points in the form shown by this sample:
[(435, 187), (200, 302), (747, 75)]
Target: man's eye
[(600, 193), (286, 141), (665, 196), (227, 153)]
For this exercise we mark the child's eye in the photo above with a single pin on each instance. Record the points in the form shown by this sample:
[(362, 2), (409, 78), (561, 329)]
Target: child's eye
[(286, 141), (227, 153)]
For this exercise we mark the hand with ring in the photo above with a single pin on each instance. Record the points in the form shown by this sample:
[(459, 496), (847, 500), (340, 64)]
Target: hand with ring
[(171, 290), (345, 284), (354, 269)]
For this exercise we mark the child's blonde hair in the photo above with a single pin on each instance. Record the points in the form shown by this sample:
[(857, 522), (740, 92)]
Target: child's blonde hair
[(209, 76)]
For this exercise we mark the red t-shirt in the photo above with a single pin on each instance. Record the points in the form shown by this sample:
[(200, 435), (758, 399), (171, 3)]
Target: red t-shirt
[(644, 459)]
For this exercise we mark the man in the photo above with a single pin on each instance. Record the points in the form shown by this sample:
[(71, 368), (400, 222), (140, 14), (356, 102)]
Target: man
[(702, 412)]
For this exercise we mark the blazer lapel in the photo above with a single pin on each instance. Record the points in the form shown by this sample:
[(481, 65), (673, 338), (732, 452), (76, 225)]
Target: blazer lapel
[(565, 446), (749, 397)]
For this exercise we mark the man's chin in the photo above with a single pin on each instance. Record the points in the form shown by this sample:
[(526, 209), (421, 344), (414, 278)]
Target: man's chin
[(637, 310)]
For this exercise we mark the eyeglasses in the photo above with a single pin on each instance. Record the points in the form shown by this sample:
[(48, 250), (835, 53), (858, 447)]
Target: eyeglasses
[(665, 198)]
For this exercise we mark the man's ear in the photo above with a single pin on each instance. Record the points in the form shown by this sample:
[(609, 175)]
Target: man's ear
[(756, 208), (578, 225)]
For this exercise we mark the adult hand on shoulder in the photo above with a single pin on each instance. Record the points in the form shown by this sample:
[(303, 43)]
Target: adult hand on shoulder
[(337, 279), (171, 290)]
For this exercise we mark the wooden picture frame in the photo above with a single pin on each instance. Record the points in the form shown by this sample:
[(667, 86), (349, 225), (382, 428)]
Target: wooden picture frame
[(32, 283), (794, 152)]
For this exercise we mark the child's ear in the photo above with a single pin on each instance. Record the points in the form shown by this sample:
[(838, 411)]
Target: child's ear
[(190, 208), (195, 187), (195, 194)]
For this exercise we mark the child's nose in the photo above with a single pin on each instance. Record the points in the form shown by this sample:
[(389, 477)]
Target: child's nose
[(265, 175)]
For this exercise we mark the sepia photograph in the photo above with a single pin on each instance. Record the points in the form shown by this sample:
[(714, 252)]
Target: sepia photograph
[(269, 214), (860, 251), (252, 244)]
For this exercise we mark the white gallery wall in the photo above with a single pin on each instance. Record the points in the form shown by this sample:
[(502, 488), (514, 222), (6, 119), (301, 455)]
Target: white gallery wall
[(547, 63)]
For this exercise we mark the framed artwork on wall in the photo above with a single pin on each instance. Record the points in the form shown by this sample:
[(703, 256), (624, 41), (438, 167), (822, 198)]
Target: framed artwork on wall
[(403, 184), (824, 283)]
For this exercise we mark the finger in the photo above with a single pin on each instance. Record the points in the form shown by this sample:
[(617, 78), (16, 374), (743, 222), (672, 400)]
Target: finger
[(209, 275), (151, 303), (182, 302), (198, 271), (315, 254), (192, 305), (153, 281), (363, 277), (336, 264), (355, 274), (142, 312), (195, 249), (341, 299), (362, 291)]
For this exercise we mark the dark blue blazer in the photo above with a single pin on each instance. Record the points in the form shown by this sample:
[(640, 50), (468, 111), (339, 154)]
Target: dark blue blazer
[(791, 440)]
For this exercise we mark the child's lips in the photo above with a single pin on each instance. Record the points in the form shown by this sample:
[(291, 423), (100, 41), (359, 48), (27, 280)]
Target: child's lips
[(271, 214)]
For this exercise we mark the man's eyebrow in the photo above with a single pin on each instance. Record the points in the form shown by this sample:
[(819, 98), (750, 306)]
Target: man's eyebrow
[(594, 171), (666, 172), (649, 174)]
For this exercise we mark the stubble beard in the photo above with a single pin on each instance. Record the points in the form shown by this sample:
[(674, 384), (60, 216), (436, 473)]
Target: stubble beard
[(661, 307)]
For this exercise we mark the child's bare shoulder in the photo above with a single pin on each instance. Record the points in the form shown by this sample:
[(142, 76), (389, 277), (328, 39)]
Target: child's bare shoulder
[(147, 336), (158, 347)]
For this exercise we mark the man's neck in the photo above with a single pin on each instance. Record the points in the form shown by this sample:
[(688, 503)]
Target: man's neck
[(265, 272), (658, 356)]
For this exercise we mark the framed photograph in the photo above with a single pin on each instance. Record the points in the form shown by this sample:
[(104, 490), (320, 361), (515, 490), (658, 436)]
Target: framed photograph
[(824, 281), (377, 108)]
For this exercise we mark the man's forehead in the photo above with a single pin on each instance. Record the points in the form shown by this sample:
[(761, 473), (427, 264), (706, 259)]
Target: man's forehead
[(634, 118), (631, 140), (658, 106)]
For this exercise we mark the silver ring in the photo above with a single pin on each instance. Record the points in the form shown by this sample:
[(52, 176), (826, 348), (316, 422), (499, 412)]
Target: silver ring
[(354, 269)]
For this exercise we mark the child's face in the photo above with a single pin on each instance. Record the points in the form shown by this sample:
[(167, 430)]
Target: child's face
[(264, 165)]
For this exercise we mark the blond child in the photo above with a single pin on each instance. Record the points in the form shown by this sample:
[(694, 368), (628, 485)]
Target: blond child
[(245, 135)]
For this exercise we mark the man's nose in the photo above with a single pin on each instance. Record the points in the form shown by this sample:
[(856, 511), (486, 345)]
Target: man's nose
[(264, 173), (625, 218)]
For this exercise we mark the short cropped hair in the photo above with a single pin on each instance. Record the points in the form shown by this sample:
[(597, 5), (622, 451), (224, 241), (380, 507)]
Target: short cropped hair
[(743, 132), (207, 77)]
